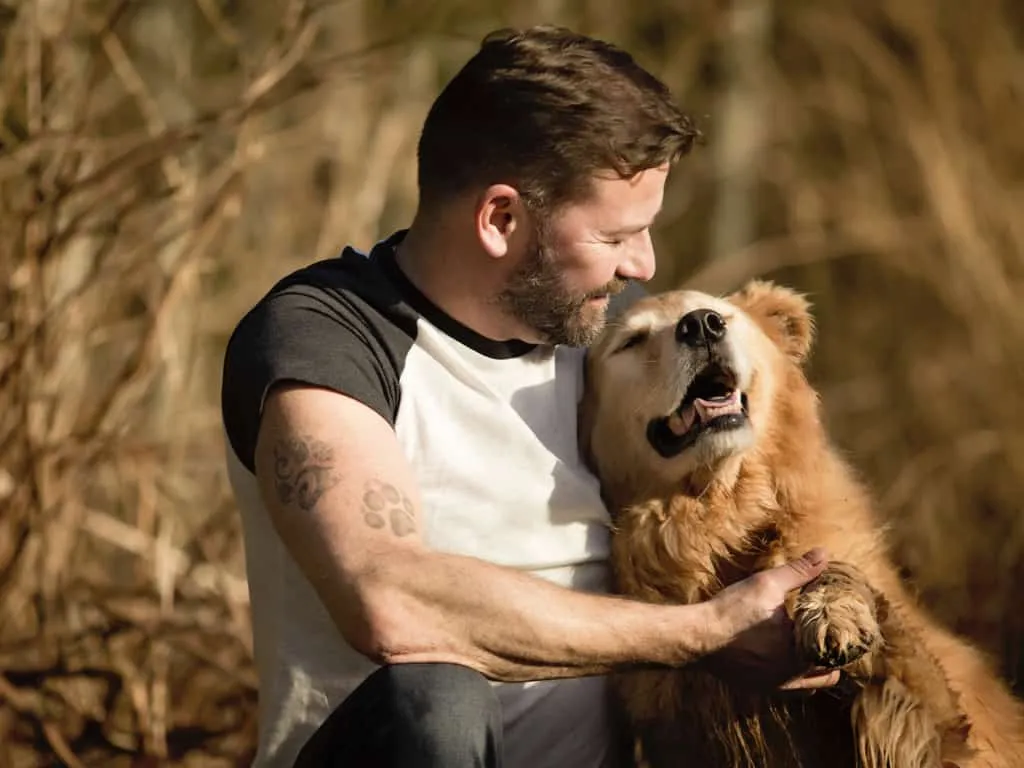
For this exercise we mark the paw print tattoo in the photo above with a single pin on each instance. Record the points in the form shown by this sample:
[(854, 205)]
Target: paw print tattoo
[(383, 503)]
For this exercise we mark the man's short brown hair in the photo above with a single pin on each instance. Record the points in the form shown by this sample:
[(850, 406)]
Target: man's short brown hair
[(545, 109)]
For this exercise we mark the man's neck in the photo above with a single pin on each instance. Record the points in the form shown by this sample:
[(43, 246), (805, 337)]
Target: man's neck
[(460, 279)]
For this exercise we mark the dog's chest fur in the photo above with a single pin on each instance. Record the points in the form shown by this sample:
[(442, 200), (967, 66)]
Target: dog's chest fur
[(685, 549)]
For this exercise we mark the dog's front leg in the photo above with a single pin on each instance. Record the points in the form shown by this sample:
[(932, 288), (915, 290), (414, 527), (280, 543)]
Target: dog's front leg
[(836, 617), (903, 713)]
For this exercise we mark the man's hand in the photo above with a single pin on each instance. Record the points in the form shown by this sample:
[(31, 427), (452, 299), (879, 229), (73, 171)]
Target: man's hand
[(762, 650)]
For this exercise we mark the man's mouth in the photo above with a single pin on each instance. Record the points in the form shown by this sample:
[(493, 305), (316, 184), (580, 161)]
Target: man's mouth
[(613, 288), (712, 403)]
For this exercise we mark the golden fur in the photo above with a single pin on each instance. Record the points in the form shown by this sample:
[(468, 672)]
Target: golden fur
[(913, 694)]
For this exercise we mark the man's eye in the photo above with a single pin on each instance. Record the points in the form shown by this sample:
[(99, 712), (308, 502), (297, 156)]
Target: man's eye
[(632, 341)]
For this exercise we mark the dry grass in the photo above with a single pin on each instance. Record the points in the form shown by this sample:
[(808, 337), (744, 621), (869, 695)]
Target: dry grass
[(162, 163)]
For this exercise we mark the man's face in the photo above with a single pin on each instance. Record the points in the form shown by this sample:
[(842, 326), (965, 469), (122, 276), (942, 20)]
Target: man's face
[(582, 255)]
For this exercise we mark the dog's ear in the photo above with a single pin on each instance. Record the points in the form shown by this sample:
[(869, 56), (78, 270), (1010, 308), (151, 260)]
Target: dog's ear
[(784, 314), (585, 414)]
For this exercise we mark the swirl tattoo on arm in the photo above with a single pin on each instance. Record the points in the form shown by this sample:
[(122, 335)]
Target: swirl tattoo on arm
[(303, 471)]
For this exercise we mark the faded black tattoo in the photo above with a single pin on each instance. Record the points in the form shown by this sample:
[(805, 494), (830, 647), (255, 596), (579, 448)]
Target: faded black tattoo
[(303, 471), (383, 504)]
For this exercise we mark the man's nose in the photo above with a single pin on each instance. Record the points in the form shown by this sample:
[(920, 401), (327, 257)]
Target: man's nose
[(700, 327), (640, 265)]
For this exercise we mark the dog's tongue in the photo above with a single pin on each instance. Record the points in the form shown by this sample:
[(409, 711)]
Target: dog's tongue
[(711, 409), (682, 420)]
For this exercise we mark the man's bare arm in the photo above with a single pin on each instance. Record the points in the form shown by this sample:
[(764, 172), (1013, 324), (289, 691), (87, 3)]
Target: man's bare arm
[(344, 501)]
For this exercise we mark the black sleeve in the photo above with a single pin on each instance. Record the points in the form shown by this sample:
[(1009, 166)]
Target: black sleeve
[(310, 335)]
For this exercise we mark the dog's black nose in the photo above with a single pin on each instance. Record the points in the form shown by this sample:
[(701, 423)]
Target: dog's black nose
[(699, 327)]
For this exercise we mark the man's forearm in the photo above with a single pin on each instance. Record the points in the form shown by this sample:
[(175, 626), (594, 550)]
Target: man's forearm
[(514, 626), (348, 512)]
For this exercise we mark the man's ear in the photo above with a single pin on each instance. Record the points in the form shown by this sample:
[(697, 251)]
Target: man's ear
[(782, 313), (500, 215)]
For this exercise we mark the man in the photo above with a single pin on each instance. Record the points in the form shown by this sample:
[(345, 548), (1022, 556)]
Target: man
[(426, 550)]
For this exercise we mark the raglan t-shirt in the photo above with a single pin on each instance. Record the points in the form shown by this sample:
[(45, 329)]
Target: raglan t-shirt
[(489, 429)]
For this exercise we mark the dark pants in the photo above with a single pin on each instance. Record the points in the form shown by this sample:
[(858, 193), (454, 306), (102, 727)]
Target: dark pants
[(413, 716)]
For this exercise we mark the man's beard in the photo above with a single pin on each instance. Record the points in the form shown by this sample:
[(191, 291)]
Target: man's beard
[(536, 295)]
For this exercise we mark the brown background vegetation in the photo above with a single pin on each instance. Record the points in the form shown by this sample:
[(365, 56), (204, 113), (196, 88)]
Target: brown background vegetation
[(163, 162)]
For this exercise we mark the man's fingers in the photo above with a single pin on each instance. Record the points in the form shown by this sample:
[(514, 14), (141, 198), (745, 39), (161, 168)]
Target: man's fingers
[(813, 680), (798, 572)]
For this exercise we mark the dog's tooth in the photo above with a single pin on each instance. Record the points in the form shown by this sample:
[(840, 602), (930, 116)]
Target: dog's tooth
[(708, 409), (680, 423), (702, 409)]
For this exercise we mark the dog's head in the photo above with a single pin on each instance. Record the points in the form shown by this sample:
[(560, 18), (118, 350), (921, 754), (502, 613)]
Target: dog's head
[(685, 381)]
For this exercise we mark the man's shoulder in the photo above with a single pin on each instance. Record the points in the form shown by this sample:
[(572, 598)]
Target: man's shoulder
[(348, 299), (338, 324), (354, 283)]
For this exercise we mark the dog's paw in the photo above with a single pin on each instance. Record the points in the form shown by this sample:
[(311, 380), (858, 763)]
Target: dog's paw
[(836, 618)]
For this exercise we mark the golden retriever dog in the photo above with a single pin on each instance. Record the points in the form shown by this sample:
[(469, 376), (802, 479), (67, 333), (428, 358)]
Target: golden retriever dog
[(708, 441)]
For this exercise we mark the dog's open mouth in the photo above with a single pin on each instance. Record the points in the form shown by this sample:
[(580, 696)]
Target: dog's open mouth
[(712, 403)]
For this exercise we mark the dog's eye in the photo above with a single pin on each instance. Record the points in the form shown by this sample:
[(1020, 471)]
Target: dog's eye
[(632, 341)]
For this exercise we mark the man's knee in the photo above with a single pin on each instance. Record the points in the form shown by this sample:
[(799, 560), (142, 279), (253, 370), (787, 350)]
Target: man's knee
[(459, 687), (413, 715), (449, 709)]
